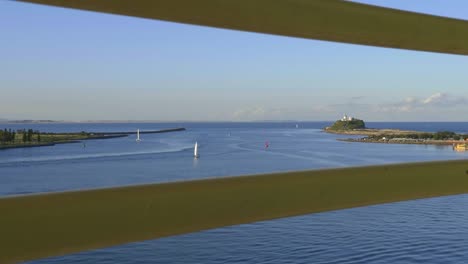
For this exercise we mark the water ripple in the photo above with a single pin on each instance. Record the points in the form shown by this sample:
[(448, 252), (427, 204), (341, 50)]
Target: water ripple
[(423, 231)]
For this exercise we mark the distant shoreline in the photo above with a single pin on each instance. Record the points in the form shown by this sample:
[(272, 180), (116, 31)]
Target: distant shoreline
[(77, 137), (372, 131), (391, 136), (405, 141)]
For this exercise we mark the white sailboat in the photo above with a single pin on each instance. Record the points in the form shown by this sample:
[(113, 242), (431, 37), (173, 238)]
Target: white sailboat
[(138, 135), (195, 151)]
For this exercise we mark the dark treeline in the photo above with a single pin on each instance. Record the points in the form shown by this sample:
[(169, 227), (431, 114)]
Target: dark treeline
[(7, 135), (27, 135), (442, 135)]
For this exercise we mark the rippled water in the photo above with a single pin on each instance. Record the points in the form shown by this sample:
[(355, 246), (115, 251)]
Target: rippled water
[(422, 231)]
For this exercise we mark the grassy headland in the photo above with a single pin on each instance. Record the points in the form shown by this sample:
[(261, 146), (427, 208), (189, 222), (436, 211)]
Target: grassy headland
[(346, 125)]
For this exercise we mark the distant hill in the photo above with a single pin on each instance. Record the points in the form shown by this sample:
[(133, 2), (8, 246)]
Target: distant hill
[(27, 121), (341, 125)]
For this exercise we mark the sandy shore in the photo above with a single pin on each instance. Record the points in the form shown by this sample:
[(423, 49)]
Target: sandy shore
[(372, 132), (402, 141)]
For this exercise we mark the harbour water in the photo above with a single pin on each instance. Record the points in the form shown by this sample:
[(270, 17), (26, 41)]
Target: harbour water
[(422, 231)]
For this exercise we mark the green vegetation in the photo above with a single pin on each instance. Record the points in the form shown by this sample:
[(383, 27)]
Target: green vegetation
[(347, 125), (37, 226), (7, 136), (441, 135), (28, 138)]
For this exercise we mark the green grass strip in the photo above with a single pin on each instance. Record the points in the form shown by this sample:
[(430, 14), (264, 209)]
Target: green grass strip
[(331, 20), (45, 225)]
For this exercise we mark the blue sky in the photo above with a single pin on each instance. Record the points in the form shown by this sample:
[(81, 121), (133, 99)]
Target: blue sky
[(73, 65)]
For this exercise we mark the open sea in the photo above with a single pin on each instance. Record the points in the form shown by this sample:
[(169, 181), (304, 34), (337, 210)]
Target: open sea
[(421, 231)]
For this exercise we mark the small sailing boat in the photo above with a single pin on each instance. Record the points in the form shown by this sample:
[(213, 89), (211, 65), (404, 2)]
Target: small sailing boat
[(297, 125), (195, 151), (138, 135)]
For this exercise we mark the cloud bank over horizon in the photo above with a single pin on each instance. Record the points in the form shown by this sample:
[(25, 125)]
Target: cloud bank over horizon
[(439, 106)]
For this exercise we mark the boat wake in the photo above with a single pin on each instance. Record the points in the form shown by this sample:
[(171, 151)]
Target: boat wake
[(293, 156), (93, 156)]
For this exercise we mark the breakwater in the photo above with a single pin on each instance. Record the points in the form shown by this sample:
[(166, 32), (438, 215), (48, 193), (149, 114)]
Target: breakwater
[(76, 137), (141, 132)]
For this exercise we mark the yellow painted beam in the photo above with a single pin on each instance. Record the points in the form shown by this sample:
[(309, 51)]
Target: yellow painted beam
[(330, 20), (45, 225)]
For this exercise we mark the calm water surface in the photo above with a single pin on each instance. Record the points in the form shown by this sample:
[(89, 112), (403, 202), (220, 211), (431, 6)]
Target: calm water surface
[(422, 231)]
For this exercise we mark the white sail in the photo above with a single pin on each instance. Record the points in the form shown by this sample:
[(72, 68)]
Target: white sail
[(195, 150), (138, 135)]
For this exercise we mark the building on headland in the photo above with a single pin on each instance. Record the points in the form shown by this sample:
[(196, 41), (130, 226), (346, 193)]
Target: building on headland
[(347, 123), (347, 118)]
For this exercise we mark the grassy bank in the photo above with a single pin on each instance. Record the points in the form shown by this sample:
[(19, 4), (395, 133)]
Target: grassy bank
[(45, 225), (50, 139)]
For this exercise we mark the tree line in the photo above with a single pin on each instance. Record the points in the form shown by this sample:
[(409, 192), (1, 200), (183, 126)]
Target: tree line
[(9, 136), (441, 135)]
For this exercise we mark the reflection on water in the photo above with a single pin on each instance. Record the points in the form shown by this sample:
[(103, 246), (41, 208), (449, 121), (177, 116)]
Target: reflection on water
[(195, 162), (422, 231)]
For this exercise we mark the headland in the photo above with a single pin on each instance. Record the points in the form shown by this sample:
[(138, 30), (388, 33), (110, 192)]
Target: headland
[(353, 126)]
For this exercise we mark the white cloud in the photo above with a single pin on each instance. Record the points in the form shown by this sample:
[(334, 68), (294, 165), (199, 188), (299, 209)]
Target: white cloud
[(250, 113), (435, 98), (410, 104), (438, 105), (410, 100), (443, 99), (253, 113)]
